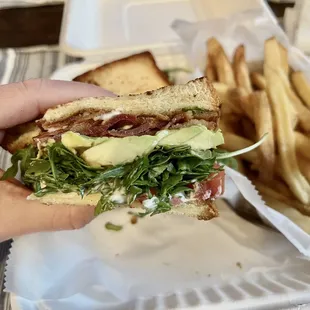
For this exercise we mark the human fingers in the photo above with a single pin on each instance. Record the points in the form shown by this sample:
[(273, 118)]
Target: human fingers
[(25, 101), (19, 216)]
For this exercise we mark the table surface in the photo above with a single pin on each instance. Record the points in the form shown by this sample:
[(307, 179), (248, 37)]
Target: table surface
[(20, 27)]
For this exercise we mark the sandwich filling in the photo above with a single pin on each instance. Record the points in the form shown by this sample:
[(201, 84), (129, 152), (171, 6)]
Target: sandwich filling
[(130, 150), (157, 169), (117, 124), (127, 160)]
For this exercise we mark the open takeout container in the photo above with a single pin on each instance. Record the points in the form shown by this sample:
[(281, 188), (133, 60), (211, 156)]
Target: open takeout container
[(167, 262)]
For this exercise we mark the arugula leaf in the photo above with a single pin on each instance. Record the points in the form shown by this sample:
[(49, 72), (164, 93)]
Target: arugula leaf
[(162, 207), (202, 154), (168, 170), (39, 166), (158, 170), (169, 184), (195, 110), (177, 70), (23, 156), (104, 204), (230, 162), (111, 226), (180, 189), (224, 155)]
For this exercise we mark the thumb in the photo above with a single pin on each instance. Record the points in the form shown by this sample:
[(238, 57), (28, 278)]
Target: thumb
[(20, 216)]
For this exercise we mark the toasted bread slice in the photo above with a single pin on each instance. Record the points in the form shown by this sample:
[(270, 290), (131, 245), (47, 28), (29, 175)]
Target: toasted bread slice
[(131, 75), (202, 211), (20, 136), (198, 93)]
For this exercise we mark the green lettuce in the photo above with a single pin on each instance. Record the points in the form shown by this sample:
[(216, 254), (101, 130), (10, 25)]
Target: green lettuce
[(168, 170)]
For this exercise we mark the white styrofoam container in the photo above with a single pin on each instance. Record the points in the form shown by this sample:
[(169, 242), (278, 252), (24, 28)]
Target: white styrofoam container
[(105, 29), (101, 31)]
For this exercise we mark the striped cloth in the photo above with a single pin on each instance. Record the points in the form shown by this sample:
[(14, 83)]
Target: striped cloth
[(19, 65), (28, 63)]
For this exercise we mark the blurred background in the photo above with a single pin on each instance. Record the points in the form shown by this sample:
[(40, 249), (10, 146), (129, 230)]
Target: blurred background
[(38, 22), (29, 45)]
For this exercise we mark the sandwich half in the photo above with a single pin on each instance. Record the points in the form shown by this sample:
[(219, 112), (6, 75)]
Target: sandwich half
[(134, 74), (156, 151)]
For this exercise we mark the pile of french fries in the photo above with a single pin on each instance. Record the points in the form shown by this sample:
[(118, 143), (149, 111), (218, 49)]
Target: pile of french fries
[(275, 100)]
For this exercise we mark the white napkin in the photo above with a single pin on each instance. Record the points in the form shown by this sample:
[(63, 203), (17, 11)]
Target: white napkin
[(302, 39), (96, 268), (297, 25)]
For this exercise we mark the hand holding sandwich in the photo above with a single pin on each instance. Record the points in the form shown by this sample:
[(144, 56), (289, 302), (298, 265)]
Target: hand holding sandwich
[(21, 103), (156, 151)]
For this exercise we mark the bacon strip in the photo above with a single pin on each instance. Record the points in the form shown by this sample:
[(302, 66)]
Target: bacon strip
[(88, 125), (146, 127)]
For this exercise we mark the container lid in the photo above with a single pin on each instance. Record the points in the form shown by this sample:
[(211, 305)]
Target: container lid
[(113, 28)]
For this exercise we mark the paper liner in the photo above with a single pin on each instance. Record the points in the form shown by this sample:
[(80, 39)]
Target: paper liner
[(162, 255)]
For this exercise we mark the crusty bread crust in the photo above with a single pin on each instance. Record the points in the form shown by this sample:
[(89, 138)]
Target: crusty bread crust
[(166, 100), (205, 211), (20, 136), (130, 75)]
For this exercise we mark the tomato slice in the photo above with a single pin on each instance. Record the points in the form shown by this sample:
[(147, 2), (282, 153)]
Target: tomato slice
[(211, 188), (175, 201), (143, 197)]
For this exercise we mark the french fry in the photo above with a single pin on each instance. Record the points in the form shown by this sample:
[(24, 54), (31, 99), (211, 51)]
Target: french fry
[(302, 144), (304, 166), (277, 107), (285, 135), (264, 124), (277, 90), (301, 86), (273, 56), (241, 70), (302, 112), (276, 184), (274, 62), (210, 72), (221, 89), (284, 58), (248, 128), (281, 187), (234, 142), (229, 98), (268, 190), (221, 63), (230, 123), (303, 221), (240, 102), (241, 167), (258, 80)]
